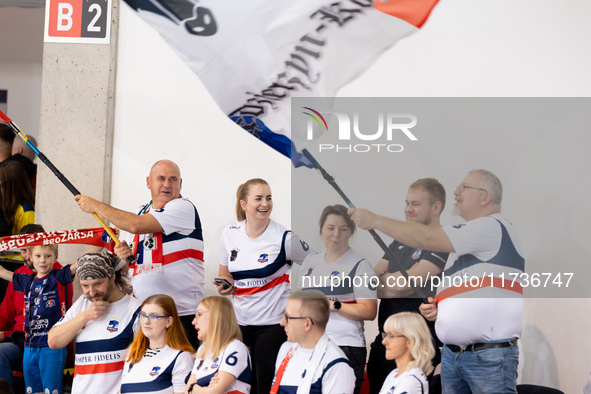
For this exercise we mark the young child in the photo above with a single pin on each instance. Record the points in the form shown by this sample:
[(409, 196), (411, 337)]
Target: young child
[(46, 301)]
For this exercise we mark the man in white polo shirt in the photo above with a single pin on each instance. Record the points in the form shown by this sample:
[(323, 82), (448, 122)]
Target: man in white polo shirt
[(167, 241), (479, 308)]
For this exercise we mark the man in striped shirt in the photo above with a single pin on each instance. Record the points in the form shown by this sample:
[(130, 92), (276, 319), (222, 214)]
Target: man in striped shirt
[(166, 240)]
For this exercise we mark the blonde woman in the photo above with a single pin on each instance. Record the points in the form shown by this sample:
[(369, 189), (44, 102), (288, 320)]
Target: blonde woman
[(223, 361), (159, 359), (408, 341), (255, 258)]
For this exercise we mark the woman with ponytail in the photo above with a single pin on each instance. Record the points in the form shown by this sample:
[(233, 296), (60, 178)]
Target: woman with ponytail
[(255, 258)]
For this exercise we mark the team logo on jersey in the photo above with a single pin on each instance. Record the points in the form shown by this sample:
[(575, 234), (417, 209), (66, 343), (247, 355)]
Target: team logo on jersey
[(113, 325), (234, 254), (38, 288), (149, 243), (50, 303), (155, 370), (215, 363), (417, 254), (334, 273), (263, 257)]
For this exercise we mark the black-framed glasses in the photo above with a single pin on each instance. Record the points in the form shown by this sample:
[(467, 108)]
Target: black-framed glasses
[(151, 317), (287, 318), (461, 188), (390, 336)]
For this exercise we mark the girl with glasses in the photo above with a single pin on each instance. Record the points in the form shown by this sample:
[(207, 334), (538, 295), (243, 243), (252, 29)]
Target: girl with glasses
[(223, 361), (159, 358), (408, 341)]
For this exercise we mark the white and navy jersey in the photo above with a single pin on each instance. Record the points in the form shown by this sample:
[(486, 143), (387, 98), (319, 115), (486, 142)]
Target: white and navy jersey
[(334, 374), (234, 359), (102, 344), (412, 381), (260, 268), (350, 277), (162, 373), (171, 262), (488, 304)]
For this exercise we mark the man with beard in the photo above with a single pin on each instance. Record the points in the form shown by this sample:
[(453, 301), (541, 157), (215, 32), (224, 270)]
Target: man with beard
[(479, 321), (103, 322)]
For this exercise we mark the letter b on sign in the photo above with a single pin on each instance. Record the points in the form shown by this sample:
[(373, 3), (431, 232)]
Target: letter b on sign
[(78, 18)]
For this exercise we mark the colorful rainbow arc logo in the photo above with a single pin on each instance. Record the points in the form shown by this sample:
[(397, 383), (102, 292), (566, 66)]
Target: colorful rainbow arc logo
[(315, 118)]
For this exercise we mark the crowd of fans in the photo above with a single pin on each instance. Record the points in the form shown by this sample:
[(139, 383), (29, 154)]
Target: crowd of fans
[(147, 326)]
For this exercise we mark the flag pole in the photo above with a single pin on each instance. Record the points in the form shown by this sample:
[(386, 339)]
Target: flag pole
[(58, 174), (330, 179)]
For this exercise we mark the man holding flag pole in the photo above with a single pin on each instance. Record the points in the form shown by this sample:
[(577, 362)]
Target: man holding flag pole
[(166, 240), (479, 321)]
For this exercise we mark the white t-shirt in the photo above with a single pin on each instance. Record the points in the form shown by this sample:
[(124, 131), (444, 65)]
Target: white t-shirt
[(350, 277), (102, 344), (334, 374), (163, 373), (174, 267), (260, 268), (412, 381), (234, 359), (478, 299)]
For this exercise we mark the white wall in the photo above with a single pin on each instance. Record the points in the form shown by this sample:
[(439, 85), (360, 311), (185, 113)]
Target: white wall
[(23, 82), (21, 53), (485, 48)]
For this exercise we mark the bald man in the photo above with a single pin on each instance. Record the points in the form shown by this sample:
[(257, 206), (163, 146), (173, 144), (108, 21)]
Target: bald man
[(166, 240)]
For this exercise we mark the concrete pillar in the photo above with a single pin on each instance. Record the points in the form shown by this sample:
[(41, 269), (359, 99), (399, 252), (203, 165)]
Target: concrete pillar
[(76, 131)]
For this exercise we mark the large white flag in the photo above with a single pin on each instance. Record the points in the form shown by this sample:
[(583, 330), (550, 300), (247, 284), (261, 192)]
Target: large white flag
[(253, 56)]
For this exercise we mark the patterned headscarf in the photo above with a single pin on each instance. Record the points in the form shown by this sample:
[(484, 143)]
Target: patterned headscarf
[(98, 265)]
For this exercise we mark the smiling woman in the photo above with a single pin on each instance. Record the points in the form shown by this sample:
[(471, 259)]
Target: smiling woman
[(346, 279), (256, 256)]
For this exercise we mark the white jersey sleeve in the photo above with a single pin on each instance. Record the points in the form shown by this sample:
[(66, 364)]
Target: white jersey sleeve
[(181, 370), (234, 359), (177, 216), (296, 249), (366, 291), (480, 237), (338, 379)]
